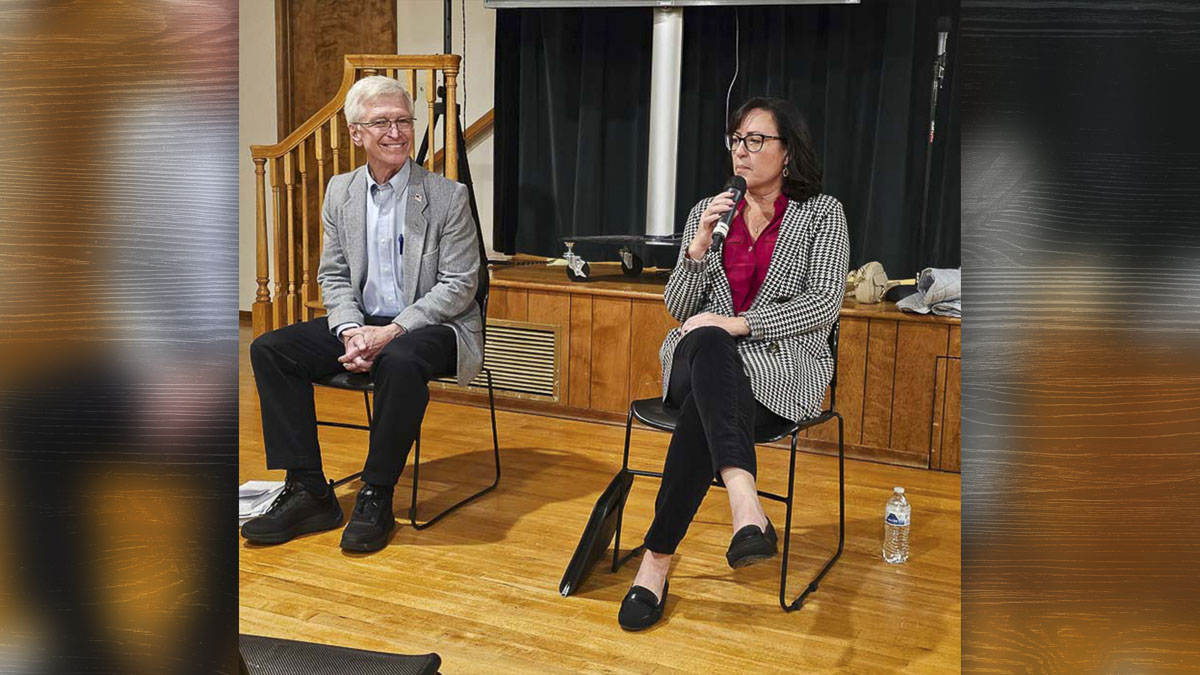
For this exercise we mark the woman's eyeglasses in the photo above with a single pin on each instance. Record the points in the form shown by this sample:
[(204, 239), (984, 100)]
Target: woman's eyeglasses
[(753, 142)]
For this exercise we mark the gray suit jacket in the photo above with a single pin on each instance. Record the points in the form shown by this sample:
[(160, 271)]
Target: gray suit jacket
[(440, 261)]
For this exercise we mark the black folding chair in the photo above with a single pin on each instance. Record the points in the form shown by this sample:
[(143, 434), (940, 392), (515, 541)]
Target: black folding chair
[(650, 411), (363, 382)]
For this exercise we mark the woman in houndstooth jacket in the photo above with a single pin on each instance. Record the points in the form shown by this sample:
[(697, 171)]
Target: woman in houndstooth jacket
[(752, 348)]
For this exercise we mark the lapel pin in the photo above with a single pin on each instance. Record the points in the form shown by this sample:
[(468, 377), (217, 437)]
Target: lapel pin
[(417, 197)]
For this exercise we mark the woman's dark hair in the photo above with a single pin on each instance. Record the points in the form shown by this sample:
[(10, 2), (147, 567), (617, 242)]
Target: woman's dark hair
[(803, 179)]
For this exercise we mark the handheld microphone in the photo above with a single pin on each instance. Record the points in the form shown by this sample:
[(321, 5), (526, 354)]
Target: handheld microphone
[(943, 31), (738, 185), (939, 62)]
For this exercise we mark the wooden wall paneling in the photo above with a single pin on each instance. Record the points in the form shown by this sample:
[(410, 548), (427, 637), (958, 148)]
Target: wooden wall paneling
[(939, 410), (951, 432), (312, 37), (852, 371), (610, 353), (649, 322), (283, 69), (917, 348), (547, 307), (555, 309), (877, 389), (579, 382), (508, 303)]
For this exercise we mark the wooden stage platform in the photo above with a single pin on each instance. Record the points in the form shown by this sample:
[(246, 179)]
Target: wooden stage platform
[(898, 386), (480, 588)]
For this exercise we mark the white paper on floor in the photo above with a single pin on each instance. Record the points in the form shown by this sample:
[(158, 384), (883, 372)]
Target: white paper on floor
[(255, 497)]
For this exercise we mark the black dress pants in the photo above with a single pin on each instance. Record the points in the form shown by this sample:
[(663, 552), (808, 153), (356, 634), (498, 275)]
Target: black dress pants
[(287, 361), (715, 425)]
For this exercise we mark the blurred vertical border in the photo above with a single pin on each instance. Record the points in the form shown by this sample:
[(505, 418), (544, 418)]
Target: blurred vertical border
[(118, 328), (1081, 383), (118, 336)]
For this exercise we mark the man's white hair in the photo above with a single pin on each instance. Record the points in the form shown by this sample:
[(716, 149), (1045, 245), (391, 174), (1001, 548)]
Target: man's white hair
[(369, 90)]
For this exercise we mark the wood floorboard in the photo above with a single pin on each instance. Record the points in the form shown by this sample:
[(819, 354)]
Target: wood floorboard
[(480, 587)]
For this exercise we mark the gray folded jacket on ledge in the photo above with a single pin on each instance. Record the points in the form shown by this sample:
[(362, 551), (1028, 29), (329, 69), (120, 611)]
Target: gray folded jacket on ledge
[(938, 291)]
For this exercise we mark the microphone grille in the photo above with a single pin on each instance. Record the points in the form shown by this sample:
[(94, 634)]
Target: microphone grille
[(738, 183), (943, 24)]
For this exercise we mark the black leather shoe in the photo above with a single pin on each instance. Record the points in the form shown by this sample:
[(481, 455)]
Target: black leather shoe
[(371, 522), (751, 545), (294, 512), (641, 609)]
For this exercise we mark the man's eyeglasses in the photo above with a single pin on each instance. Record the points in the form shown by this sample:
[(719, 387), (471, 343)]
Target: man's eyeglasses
[(384, 126), (753, 142)]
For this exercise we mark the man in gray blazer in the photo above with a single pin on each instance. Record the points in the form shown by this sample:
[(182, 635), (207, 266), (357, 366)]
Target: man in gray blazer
[(398, 274)]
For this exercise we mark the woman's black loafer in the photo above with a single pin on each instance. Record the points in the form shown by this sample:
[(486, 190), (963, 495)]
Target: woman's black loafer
[(641, 609), (751, 545)]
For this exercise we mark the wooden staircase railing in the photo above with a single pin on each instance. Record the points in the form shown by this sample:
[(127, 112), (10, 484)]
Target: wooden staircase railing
[(300, 166)]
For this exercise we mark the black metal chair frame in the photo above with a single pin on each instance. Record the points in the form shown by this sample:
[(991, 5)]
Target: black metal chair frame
[(794, 432), (367, 387)]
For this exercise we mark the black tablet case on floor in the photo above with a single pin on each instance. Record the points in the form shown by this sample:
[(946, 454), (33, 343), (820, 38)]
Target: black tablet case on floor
[(271, 656), (601, 526)]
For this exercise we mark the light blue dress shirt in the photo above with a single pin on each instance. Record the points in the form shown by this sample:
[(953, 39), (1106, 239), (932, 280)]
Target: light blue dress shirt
[(383, 293)]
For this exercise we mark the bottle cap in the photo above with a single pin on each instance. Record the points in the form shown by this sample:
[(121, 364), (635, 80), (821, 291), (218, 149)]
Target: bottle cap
[(898, 490)]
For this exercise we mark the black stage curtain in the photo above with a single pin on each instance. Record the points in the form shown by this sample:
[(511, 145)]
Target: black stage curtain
[(572, 118)]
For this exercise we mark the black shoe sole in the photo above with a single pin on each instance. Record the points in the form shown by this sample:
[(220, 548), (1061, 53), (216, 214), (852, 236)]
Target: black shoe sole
[(318, 523), (748, 560), (369, 546), (752, 551), (637, 629)]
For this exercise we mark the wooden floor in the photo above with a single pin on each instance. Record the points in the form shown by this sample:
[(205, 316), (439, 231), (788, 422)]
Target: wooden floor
[(480, 588)]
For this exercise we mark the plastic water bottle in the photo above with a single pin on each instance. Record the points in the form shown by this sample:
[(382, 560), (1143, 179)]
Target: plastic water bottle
[(895, 528)]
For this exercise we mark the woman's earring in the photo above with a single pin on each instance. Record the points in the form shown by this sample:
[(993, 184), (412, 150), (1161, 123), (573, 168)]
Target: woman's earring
[(785, 171)]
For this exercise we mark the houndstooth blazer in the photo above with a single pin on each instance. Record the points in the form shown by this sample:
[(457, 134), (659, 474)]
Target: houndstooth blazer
[(786, 354)]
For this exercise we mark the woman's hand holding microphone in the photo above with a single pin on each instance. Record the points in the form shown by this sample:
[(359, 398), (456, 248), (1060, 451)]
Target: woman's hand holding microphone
[(719, 206)]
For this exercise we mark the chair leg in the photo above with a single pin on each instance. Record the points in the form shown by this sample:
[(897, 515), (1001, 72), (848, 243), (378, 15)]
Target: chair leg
[(412, 510), (342, 481), (358, 474), (787, 537), (617, 559)]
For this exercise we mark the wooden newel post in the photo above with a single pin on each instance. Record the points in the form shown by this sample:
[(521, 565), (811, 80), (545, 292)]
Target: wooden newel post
[(261, 314)]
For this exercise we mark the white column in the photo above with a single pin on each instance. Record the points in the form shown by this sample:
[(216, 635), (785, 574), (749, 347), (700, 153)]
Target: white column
[(664, 120)]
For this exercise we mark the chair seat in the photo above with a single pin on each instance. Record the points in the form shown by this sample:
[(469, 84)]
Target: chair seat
[(652, 413), (348, 381), (362, 381)]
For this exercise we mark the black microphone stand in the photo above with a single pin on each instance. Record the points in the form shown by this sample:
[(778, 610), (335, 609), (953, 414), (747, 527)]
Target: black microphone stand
[(939, 74), (439, 111)]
